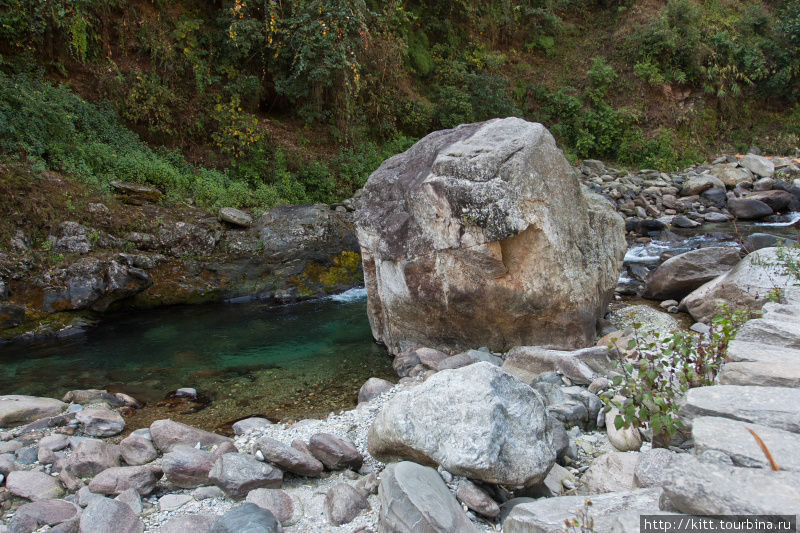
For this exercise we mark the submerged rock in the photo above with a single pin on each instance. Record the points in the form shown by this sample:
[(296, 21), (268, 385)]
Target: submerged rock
[(478, 422), (482, 236)]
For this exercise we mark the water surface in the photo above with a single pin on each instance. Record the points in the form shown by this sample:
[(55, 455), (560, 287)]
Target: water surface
[(297, 360)]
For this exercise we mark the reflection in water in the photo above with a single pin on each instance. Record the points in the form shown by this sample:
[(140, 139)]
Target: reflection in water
[(299, 360)]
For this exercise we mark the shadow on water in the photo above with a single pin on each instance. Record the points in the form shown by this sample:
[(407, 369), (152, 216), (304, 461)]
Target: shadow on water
[(297, 360)]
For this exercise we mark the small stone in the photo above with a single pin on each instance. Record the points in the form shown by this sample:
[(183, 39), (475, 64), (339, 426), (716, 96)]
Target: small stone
[(288, 458), (335, 453), (239, 473), (235, 217), (100, 422), (277, 501), (204, 493), (167, 434), (477, 499), (194, 523), (137, 450), (624, 439), (372, 388), (243, 426), (610, 472), (171, 502), (343, 503)]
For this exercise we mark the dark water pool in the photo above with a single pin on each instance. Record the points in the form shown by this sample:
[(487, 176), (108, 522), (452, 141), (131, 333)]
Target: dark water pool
[(299, 360)]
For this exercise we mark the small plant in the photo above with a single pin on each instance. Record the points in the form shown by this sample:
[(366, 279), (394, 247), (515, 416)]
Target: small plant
[(94, 237), (583, 521), (662, 370)]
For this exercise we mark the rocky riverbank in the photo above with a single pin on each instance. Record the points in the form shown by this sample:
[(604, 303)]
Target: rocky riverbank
[(517, 442)]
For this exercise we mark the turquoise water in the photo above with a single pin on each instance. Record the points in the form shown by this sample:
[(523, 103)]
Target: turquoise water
[(297, 360)]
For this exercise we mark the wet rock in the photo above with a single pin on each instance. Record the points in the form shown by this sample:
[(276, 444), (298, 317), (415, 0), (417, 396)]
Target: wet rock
[(288, 458), (758, 165), (775, 407), (118, 479), (92, 457), (33, 485), (611, 472), (477, 499), (490, 406), (748, 208), (778, 201), (757, 241), (695, 487), (105, 515), (732, 438), (196, 523), (187, 467), (90, 283), (100, 422), (137, 450), (239, 473), (235, 217), (745, 286), (16, 409), (305, 232), (167, 434), (276, 501), (678, 276), (372, 388), (335, 453), (454, 200), (548, 515), (413, 497), (247, 518), (243, 426), (11, 316), (343, 503)]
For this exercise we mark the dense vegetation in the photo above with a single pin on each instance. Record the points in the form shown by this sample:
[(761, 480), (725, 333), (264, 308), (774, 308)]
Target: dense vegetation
[(257, 102)]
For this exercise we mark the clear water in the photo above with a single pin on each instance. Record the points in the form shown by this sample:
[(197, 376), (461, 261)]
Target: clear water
[(298, 360)]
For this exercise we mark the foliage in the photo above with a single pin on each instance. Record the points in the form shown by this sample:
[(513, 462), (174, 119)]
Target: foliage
[(583, 521), (662, 369)]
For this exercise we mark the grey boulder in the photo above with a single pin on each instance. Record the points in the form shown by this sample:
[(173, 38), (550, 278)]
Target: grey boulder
[(167, 434), (118, 479), (335, 453), (775, 407), (33, 485), (187, 467), (137, 450), (414, 498), (100, 422), (478, 422)]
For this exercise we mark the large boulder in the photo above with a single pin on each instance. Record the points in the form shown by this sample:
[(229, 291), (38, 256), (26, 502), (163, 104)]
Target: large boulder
[(678, 276), (167, 434), (105, 515), (746, 285), (478, 422), (482, 236)]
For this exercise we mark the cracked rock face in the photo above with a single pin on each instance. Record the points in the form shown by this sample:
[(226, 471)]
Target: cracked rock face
[(482, 236)]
